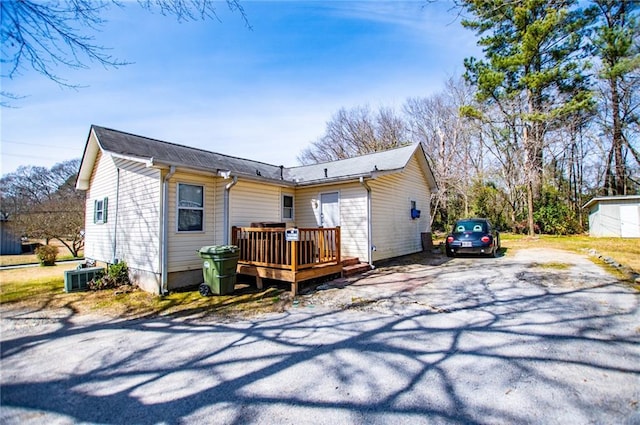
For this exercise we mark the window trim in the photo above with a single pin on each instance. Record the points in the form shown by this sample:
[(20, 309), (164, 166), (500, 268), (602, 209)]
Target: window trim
[(178, 208), (104, 206), (292, 207)]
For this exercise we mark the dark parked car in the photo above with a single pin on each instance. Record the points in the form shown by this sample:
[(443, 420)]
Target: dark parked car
[(473, 236)]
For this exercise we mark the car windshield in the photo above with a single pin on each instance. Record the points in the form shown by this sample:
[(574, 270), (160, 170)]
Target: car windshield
[(470, 226)]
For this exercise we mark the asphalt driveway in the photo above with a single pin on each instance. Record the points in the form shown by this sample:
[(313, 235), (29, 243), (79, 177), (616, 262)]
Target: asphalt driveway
[(541, 337)]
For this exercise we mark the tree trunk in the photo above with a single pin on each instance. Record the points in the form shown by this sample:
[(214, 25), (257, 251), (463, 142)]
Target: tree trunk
[(530, 208), (531, 172), (619, 186)]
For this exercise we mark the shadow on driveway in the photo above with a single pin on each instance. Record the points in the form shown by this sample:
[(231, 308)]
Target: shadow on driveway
[(486, 348)]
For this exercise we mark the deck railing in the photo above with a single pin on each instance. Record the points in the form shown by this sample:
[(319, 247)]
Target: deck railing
[(268, 247)]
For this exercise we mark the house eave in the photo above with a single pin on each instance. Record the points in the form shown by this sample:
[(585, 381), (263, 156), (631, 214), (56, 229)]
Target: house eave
[(336, 180), (88, 160), (216, 172)]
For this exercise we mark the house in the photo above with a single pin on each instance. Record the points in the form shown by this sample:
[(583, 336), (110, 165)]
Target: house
[(10, 243), (617, 216), (153, 204)]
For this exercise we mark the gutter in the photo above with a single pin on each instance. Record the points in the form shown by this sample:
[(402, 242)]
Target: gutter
[(369, 224), (164, 246), (227, 220), (275, 179), (114, 259)]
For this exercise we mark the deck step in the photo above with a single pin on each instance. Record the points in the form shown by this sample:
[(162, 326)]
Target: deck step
[(354, 269), (350, 261)]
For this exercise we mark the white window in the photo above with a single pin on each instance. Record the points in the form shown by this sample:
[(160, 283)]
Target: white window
[(287, 207), (100, 210), (190, 208)]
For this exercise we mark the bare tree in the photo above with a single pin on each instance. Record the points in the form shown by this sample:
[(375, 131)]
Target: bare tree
[(435, 122), (500, 130), (47, 36), (43, 203), (356, 131)]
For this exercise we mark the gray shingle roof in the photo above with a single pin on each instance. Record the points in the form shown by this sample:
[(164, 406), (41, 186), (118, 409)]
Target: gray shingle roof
[(394, 159), (159, 152), (147, 149)]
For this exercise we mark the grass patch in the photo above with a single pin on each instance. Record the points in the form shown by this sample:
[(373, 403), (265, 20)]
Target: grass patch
[(43, 287), (552, 266), (32, 282), (624, 251), (23, 259)]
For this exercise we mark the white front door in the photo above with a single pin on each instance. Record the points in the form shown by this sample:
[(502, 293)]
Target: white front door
[(629, 221), (330, 209)]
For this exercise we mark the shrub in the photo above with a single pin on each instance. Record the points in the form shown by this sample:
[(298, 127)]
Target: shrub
[(557, 219), (522, 227), (47, 255), (116, 276), (554, 215), (489, 202)]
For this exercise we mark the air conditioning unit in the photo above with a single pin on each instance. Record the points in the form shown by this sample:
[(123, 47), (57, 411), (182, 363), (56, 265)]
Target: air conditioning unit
[(77, 280)]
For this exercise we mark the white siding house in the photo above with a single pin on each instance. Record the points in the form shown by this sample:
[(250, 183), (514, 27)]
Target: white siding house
[(614, 216), (99, 225), (352, 212), (153, 204), (396, 232)]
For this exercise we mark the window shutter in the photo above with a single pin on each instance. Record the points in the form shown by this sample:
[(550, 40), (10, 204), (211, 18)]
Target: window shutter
[(95, 211), (104, 210)]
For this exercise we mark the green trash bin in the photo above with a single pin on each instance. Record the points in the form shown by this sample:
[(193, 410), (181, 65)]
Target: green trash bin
[(219, 269)]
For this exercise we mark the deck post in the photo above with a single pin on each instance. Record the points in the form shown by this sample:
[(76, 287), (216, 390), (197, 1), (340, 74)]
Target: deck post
[(338, 244), (294, 256), (321, 251), (234, 235), (294, 267)]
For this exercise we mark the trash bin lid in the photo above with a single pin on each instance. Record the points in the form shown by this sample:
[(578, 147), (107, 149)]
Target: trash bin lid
[(218, 249)]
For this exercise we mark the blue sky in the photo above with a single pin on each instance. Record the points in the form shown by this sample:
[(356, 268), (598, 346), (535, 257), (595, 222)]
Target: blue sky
[(263, 94)]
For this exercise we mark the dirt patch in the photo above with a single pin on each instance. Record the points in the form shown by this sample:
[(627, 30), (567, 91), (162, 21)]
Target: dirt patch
[(418, 281)]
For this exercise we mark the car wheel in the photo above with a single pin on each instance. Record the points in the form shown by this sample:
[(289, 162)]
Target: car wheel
[(205, 291)]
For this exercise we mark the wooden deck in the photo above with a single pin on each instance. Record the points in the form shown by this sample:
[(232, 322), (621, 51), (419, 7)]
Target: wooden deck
[(266, 254)]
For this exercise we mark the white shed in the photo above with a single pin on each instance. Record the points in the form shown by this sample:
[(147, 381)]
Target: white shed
[(614, 216)]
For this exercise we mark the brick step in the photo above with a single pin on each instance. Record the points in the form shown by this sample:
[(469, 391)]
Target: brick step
[(354, 269)]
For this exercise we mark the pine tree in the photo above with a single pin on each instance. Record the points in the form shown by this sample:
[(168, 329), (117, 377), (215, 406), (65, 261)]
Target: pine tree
[(615, 44), (532, 54)]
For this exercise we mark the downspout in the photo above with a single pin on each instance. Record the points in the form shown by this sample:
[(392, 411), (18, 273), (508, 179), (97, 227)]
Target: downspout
[(164, 251), (227, 219), (369, 224), (114, 258)]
